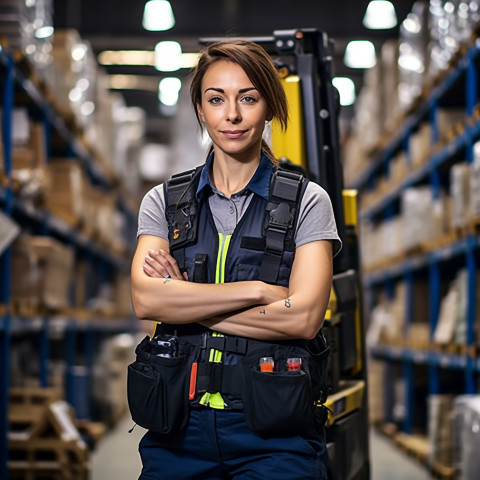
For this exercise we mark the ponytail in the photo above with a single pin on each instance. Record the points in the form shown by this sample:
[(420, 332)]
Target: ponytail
[(269, 153)]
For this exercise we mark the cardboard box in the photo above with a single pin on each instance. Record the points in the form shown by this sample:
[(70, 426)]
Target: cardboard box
[(67, 192), (56, 264), (41, 272), (38, 144), (25, 274)]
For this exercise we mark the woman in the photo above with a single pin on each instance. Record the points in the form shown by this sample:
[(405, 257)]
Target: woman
[(235, 91)]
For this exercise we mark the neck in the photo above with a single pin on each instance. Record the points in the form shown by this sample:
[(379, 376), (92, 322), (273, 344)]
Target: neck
[(231, 173)]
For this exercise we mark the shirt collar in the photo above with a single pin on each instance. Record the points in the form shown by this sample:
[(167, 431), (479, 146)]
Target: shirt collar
[(259, 183)]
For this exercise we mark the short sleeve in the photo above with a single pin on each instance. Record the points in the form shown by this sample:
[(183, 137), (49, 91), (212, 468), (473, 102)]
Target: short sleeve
[(316, 220), (151, 216)]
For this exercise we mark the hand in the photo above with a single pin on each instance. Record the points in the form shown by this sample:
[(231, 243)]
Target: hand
[(160, 264), (273, 293)]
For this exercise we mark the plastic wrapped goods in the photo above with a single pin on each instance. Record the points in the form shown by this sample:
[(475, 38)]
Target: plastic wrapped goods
[(466, 436), (452, 321), (413, 56), (440, 426), (417, 212), (450, 24), (459, 192), (27, 26), (475, 183)]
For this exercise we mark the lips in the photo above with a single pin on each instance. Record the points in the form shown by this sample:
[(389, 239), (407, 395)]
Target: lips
[(233, 133)]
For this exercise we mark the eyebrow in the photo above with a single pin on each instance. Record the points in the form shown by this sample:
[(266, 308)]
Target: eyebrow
[(221, 90)]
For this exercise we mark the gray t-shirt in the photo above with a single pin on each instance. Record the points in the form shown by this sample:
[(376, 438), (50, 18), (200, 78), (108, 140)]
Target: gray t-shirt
[(315, 219)]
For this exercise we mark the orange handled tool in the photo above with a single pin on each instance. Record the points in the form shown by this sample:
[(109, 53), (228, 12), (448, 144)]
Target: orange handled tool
[(193, 381)]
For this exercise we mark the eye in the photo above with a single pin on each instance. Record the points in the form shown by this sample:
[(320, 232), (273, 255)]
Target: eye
[(214, 100), (249, 99)]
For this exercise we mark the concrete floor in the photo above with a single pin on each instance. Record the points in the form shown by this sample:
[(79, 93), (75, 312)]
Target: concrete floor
[(116, 457)]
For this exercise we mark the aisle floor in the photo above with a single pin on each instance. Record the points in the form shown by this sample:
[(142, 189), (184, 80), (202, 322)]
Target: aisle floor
[(116, 457)]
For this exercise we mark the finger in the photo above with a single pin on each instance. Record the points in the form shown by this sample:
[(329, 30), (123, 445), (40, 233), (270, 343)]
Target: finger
[(151, 272), (160, 267), (172, 263), (167, 262), (185, 276)]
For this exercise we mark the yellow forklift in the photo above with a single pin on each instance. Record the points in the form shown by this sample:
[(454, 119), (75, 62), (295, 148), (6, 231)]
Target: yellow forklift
[(311, 143)]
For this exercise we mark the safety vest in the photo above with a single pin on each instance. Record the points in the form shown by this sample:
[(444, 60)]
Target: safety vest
[(262, 245), (224, 371)]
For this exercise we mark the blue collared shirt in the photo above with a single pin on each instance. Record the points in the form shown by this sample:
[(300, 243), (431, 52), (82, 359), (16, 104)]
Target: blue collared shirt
[(259, 183)]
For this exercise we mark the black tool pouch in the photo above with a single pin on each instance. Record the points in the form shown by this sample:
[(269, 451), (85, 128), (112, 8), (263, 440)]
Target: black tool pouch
[(279, 402), (157, 389)]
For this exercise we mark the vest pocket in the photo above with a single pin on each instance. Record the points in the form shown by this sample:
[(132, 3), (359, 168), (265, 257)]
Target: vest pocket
[(157, 392), (246, 272), (278, 402)]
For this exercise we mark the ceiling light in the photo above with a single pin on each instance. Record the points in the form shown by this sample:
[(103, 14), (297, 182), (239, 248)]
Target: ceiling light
[(44, 32), (346, 89), (189, 60), (133, 82), (127, 57), (412, 24), (169, 90), (167, 56), (141, 57), (360, 54), (158, 16), (380, 15)]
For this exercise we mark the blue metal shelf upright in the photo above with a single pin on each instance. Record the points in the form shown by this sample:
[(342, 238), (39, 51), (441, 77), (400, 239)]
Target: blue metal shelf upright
[(105, 264), (461, 253)]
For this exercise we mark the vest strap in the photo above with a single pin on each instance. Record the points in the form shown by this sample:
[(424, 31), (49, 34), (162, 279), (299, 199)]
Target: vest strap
[(279, 221), (217, 377), (181, 207)]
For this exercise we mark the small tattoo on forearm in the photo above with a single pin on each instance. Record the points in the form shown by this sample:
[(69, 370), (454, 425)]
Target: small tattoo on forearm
[(287, 303), (262, 312)]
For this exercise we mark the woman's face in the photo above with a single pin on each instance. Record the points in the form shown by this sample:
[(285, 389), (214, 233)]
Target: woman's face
[(232, 109)]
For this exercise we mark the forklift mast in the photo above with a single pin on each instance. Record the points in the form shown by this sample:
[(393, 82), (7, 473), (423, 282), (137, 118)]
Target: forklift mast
[(311, 143)]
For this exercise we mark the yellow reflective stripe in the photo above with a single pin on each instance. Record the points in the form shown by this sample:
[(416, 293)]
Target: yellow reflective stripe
[(224, 257), (214, 400), (223, 244)]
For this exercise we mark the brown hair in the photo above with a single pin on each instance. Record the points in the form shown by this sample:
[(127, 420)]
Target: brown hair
[(259, 68)]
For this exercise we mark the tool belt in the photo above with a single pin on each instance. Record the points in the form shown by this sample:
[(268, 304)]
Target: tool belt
[(162, 389)]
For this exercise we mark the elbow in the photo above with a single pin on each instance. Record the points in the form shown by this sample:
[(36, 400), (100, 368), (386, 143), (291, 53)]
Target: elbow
[(140, 306), (310, 326)]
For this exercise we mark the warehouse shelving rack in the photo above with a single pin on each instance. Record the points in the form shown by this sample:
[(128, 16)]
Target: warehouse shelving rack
[(459, 87), (79, 337)]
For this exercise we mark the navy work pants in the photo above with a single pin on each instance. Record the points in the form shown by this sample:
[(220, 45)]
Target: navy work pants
[(217, 444)]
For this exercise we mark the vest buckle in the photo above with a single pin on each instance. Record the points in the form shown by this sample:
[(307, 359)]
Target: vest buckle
[(280, 217)]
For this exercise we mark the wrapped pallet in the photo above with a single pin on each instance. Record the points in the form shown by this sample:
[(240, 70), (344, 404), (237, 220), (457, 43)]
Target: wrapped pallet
[(66, 195), (475, 184), (459, 193), (27, 27), (466, 436), (440, 429), (41, 272)]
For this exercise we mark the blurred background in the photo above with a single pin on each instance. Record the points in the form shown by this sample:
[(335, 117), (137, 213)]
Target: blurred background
[(95, 110)]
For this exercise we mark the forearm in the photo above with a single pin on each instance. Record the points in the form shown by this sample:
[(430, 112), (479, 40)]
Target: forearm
[(179, 302), (282, 320), (300, 314)]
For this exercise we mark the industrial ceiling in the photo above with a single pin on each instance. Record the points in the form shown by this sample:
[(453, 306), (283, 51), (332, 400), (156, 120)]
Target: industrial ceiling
[(117, 25)]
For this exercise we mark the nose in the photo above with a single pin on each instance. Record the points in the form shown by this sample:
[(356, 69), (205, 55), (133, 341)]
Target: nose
[(233, 112)]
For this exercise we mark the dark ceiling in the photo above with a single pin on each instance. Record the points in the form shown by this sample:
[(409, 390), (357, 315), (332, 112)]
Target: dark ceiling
[(117, 25)]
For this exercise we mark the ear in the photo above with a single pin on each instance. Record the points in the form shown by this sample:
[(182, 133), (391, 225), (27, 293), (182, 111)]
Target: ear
[(200, 113)]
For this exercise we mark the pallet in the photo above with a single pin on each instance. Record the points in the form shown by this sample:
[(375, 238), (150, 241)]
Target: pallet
[(450, 348), (33, 459), (28, 411), (444, 241), (25, 307)]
